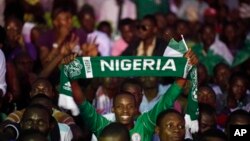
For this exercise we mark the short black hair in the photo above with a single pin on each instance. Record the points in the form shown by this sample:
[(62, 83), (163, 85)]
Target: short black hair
[(103, 24), (124, 22), (60, 6), (213, 133), (115, 129), (123, 93), (207, 109), (238, 113), (164, 113), (86, 9), (219, 65), (238, 75), (151, 18), (39, 106)]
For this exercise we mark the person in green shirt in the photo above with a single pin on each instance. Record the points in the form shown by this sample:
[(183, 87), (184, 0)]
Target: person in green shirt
[(124, 108)]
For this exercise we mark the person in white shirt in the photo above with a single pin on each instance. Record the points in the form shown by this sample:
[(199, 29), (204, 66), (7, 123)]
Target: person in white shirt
[(3, 84), (87, 20), (110, 11)]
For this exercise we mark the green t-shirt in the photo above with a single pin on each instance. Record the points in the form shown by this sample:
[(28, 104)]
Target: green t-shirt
[(145, 124)]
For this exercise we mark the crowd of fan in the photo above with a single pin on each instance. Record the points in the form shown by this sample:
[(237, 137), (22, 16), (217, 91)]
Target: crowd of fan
[(38, 36)]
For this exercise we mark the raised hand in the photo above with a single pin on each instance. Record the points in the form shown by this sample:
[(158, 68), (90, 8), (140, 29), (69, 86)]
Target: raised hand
[(68, 59), (90, 48), (192, 58), (67, 48)]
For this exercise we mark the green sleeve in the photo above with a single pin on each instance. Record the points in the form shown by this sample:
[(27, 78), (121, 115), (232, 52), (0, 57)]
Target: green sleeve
[(166, 102), (93, 120)]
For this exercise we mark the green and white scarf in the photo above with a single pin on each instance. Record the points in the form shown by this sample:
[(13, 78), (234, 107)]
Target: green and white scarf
[(172, 63)]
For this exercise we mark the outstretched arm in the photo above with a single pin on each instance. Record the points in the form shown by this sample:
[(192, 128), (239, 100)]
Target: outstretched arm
[(95, 121), (168, 99)]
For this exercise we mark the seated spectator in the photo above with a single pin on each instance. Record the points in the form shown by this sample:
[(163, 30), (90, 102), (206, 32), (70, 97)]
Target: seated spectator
[(115, 132), (222, 73), (207, 118), (210, 50), (206, 95), (105, 27), (87, 19), (170, 126), (127, 30), (37, 117), (213, 135), (238, 117), (32, 135)]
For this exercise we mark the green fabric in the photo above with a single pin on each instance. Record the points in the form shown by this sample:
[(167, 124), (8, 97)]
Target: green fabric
[(242, 55), (209, 59), (125, 66), (145, 123), (146, 7)]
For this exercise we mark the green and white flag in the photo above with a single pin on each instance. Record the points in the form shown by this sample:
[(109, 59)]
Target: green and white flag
[(171, 64)]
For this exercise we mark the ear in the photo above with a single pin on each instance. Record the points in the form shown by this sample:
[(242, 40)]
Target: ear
[(157, 130)]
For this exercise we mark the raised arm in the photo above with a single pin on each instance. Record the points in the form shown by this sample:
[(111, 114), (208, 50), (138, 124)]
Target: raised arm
[(168, 99), (94, 121)]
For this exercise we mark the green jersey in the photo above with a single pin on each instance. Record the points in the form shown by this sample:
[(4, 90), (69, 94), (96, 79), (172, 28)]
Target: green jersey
[(143, 129)]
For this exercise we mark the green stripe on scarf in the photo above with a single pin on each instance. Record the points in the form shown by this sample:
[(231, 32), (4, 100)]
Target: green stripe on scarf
[(172, 64)]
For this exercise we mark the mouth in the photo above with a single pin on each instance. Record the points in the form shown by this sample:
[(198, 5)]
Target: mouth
[(125, 117)]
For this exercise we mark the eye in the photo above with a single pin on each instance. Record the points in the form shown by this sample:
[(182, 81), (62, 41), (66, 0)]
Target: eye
[(170, 126), (181, 126)]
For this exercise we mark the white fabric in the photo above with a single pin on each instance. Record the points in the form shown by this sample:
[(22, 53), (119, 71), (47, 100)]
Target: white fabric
[(219, 48), (3, 84), (65, 132), (146, 105), (68, 101), (103, 41), (109, 11)]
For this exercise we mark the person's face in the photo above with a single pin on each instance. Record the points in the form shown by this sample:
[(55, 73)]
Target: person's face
[(136, 91), (230, 33), (239, 88), (43, 87), (206, 122), (171, 128), (127, 33), (208, 36), (107, 30), (25, 64), (206, 96), (202, 75), (146, 29), (88, 22), (182, 29), (222, 76), (161, 21), (124, 109), (63, 19), (13, 30), (149, 82), (36, 119)]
